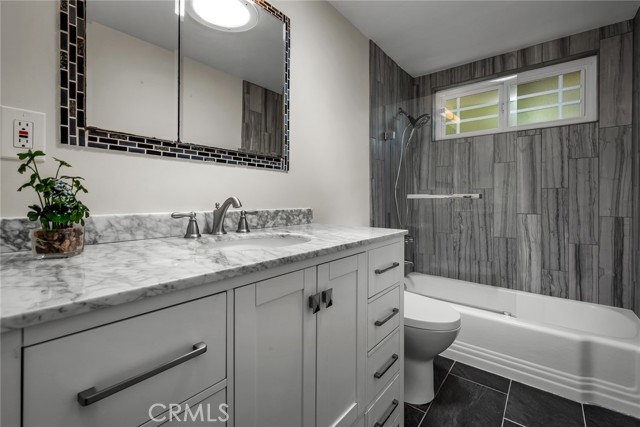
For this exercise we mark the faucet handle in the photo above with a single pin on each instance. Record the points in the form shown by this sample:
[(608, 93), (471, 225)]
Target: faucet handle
[(243, 225), (193, 231)]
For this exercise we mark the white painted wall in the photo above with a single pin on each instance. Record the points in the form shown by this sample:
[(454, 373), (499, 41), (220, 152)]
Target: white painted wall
[(329, 127)]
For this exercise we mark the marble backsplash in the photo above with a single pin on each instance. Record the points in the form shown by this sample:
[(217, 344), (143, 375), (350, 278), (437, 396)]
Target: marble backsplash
[(14, 232)]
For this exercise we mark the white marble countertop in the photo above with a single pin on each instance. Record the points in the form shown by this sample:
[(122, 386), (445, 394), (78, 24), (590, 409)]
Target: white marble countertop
[(35, 291)]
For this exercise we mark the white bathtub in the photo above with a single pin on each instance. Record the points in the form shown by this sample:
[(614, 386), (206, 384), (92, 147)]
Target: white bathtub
[(584, 352)]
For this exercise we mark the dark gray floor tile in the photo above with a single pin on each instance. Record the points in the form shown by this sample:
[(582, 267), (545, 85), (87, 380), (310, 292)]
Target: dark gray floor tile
[(412, 416), (508, 423), (462, 403), (601, 417), (536, 408), (481, 377), (441, 367)]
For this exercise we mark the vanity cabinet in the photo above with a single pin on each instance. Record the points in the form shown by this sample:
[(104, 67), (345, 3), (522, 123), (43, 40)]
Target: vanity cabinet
[(314, 343), (300, 347)]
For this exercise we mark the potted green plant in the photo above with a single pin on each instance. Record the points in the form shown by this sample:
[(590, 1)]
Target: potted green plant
[(60, 213)]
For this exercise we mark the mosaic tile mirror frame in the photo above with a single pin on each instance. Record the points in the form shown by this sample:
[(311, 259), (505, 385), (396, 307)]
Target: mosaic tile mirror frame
[(75, 132)]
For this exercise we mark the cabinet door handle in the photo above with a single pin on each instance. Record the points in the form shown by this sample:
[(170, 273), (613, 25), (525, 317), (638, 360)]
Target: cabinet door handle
[(386, 319), (385, 367), (92, 395), (387, 414), (327, 297), (391, 267), (314, 303)]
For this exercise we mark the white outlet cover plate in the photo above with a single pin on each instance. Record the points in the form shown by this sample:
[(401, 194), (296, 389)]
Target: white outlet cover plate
[(7, 116)]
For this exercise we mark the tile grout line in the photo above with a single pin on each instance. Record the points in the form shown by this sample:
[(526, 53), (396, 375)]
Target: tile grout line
[(437, 392), (482, 385), (584, 417), (511, 421), (504, 413)]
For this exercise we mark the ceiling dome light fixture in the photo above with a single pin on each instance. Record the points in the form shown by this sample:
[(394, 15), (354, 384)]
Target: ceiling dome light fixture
[(224, 15)]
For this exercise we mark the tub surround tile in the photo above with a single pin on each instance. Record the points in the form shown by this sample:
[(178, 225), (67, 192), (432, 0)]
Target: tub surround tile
[(529, 254), (504, 200), (536, 408), (528, 170), (505, 261), (529, 56), (587, 41), (615, 171), (35, 291), (505, 147), (482, 162), (583, 140), (555, 229), (583, 201), (615, 282), (481, 377), (556, 49), (583, 272), (616, 68), (14, 232), (596, 416), (555, 157), (462, 403), (555, 283)]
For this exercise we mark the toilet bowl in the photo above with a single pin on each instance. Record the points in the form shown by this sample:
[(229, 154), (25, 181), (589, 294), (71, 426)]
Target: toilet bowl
[(430, 327)]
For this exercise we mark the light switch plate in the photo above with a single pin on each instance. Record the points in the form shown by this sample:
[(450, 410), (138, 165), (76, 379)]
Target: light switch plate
[(8, 116)]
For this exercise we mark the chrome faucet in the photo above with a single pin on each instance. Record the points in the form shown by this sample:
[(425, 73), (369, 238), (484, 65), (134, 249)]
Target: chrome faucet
[(219, 213)]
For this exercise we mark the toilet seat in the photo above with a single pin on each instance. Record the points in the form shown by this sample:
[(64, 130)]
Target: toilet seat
[(427, 313)]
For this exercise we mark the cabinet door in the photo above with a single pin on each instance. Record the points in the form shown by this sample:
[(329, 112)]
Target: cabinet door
[(341, 352), (274, 352)]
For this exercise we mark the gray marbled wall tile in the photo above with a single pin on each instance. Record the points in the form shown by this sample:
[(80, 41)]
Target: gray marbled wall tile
[(505, 62), (555, 228), (583, 272), (529, 253), (504, 147), (616, 29), (446, 257), (474, 231), (615, 283), (443, 153), (462, 167), (584, 42), (583, 140), (505, 257), (555, 49), (616, 68), (636, 155), (482, 162), (555, 283), (583, 201), (555, 157), (477, 272), (530, 56), (504, 200), (482, 68), (615, 171), (528, 132), (528, 161)]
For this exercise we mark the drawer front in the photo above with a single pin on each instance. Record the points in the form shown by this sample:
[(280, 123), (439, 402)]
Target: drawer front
[(386, 267), (56, 371), (386, 409), (383, 364), (383, 316), (211, 411)]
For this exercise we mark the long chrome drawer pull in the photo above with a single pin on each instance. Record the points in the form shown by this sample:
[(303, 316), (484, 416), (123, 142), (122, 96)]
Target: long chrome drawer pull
[(386, 367), (387, 415), (386, 319), (391, 267), (92, 395)]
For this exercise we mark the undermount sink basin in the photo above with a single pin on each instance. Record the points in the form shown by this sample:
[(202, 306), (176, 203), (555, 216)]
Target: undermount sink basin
[(250, 243)]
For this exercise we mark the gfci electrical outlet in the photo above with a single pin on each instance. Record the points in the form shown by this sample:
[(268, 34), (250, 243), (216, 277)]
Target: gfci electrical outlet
[(21, 130)]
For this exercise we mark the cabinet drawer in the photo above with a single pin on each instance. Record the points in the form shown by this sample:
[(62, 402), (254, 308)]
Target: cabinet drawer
[(385, 410), (386, 267), (56, 371), (383, 364), (383, 316)]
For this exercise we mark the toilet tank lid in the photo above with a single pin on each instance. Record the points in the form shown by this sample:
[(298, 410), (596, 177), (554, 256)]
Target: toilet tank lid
[(427, 313)]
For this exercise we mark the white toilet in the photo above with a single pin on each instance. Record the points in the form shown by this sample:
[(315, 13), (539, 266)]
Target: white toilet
[(430, 327)]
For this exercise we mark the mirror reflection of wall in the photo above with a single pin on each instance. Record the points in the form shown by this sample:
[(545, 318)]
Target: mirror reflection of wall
[(132, 72)]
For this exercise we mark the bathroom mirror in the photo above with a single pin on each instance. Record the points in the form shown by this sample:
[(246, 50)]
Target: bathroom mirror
[(146, 77)]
